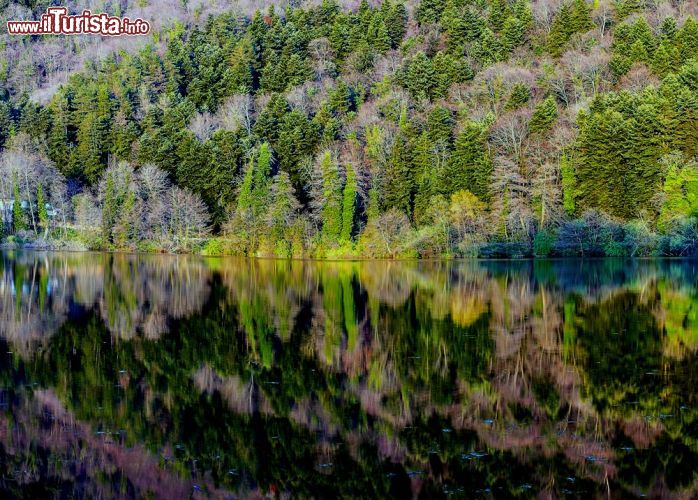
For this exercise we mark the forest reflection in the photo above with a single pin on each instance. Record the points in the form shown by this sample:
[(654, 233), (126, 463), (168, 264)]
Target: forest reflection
[(129, 374)]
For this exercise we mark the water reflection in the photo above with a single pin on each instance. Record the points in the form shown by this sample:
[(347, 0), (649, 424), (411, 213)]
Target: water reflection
[(177, 375)]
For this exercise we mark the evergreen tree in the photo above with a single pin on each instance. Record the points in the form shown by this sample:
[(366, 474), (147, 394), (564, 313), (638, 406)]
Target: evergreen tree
[(262, 174), (399, 182), (348, 204), (331, 210), (439, 125), (568, 185), (668, 28), (41, 208), (19, 222), (514, 33), (665, 59), (687, 39), (109, 207), (522, 11), (282, 212), (429, 11), (543, 116), (396, 24), (499, 12), (470, 167), (520, 94), (487, 49), (573, 17), (421, 79), (680, 191), (427, 176), (244, 202)]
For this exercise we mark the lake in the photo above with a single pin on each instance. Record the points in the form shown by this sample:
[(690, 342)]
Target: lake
[(172, 376)]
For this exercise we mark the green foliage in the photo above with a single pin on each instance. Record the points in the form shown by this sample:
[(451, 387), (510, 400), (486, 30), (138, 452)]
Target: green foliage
[(680, 191), (544, 115), (227, 107), (520, 95), (109, 207), (421, 79), (569, 184), (19, 219), (348, 204), (470, 166), (281, 214), (41, 208), (543, 244), (332, 200), (573, 17)]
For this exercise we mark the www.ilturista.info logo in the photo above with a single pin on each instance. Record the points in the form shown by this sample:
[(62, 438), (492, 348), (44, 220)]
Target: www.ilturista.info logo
[(56, 21)]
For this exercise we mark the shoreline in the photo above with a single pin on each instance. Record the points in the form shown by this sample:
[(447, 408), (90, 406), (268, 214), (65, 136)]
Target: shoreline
[(5, 246)]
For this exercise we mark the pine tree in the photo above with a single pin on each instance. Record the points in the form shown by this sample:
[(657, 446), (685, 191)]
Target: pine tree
[(664, 60), (427, 176), (680, 191), (58, 134), (470, 167), (520, 94), (429, 11), (396, 24), (421, 78), (297, 138), (580, 17), (331, 210), (348, 204), (574, 17), (378, 36), (514, 33), (439, 125), (262, 173), (124, 232), (398, 183), (19, 222), (522, 11), (560, 30), (499, 12), (244, 202), (282, 212), (668, 28), (340, 98), (487, 49), (638, 52), (543, 116), (109, 208), (41, 208), (568, 185), (687, 39)]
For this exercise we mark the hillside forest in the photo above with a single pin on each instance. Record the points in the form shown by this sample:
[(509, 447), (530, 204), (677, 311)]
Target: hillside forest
[(439, 128)]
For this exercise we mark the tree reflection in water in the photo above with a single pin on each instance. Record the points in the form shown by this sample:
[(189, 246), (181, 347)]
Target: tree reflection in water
[(129, 374)]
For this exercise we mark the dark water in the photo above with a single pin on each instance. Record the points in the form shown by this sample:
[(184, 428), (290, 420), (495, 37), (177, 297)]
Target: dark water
[(173, 377)]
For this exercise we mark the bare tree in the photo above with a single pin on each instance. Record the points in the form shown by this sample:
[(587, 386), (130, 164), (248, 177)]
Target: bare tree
[(188, 217), (237, 111), (323, 58), (202, 125), (510, 130), (23, 161)]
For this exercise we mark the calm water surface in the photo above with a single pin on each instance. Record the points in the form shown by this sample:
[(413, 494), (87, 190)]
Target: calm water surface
[(174, 377)]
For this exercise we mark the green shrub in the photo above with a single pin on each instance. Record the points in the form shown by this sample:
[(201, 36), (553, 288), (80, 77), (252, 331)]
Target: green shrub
[(543, 243)]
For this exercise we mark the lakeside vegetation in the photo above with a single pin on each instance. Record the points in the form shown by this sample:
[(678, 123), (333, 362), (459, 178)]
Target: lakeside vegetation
[(440, 128)]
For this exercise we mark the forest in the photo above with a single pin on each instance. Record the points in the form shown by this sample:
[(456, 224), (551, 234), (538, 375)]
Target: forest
[(381, 129)]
